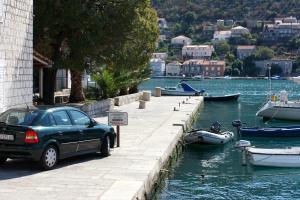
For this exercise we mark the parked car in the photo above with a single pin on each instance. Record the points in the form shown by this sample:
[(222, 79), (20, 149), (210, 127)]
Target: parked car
[(47, 135)]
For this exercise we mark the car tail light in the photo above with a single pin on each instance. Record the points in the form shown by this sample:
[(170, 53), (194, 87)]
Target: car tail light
[(31, 137)]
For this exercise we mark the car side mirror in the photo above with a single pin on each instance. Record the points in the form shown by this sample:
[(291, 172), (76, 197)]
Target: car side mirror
[(91, 124)]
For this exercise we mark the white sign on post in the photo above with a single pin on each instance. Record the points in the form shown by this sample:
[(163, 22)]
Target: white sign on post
[(118, 118)]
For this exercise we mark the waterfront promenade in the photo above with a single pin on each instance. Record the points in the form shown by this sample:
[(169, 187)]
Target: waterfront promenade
[(129, 173)]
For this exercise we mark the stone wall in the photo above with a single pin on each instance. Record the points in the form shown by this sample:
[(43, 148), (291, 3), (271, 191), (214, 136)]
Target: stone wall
[(98, 108), (126, 99), (16, 65)]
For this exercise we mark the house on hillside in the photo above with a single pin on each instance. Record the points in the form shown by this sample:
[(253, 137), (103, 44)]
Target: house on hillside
[(244, 51), (213, 68), (221, 35), (173, 68), (158, 67), (210, 68), (282, 29), (162, 23), (239, 31), (285, 64), (16, 53), (161, 56), (181, 41), (197, 51)]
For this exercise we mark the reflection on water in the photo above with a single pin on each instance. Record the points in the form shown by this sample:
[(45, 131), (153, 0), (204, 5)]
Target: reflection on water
[(215, 172)]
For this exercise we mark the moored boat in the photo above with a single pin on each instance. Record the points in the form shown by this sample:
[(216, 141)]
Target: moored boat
[(202, 136), (277, 131), (228, 97), (288, 157), (213, 136), (182, 89)]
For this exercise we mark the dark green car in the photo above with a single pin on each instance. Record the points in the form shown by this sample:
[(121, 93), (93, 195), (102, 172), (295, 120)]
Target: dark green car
[(47, 135)]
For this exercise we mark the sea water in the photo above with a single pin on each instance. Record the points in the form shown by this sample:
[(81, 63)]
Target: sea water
[(215, 172)]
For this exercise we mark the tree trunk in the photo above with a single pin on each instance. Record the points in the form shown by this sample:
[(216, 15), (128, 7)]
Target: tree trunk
[(76, 94), (49, 86)]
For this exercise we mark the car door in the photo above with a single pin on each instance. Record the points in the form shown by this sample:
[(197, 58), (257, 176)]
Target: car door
[(67, 134), (90, 139)]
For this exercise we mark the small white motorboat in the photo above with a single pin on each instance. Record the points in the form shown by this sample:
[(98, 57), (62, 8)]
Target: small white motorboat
[(288, 157), (213, 136), (181, 89), (283, 109)]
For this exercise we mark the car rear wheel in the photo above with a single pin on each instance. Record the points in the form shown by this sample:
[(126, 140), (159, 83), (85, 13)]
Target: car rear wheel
[(105, 146), (49, 157), (2, 159)]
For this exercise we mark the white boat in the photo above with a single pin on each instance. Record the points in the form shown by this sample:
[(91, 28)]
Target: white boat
[(202, 136), (182, 89), (283, 109), (288, 157)]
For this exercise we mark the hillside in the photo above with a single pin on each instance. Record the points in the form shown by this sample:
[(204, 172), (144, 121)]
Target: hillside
[(197, 11)]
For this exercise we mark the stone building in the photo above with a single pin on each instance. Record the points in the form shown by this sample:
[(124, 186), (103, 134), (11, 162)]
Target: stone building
[(209, 68), (173, 68), (197, 51), (285, 64), (244, 51), (16, 53)]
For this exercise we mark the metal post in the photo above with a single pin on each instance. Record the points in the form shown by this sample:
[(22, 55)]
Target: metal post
[(270, 83), (118, 136)]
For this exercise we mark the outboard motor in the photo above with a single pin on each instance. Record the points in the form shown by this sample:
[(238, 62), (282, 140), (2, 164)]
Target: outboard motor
[(215, 127), (237, 124), (243, 145)]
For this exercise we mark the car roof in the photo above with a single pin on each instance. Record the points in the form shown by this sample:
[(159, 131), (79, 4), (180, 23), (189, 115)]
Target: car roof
[(46, 108)]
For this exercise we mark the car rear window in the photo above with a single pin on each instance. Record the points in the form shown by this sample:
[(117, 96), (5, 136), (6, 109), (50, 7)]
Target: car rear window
[(20, 117)]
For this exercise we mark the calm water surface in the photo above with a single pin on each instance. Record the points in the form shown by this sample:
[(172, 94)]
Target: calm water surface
[(215, 172)]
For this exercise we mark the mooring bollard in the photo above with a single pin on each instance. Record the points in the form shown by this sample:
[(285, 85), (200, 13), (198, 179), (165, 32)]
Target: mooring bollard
[(142, 104), (157, 92), (146, 95)]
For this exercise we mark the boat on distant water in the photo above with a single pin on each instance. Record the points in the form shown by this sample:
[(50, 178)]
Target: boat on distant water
[(282, 109), (213, 136), (271, 157), (198, 77), (181, 89), (227, 97)]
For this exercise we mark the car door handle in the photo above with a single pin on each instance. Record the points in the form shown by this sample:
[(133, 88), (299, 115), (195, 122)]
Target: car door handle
[(81, 132)]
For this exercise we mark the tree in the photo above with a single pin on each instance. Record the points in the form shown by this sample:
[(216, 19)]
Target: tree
[(74, 32), (275, 70), (249, 67), (264, 53), (222, 48)]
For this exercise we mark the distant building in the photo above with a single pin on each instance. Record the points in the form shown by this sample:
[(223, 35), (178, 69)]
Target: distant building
[(220, 22), (181, 40), (221, 35), (211, 68), (197, 51), (162, 23), (239, 31), (191, 68), (173, 68), (158, 67), (285, 64), (162, 38), (161, 56), (244, 51), (283, 28), (229, 22), (208, 30)]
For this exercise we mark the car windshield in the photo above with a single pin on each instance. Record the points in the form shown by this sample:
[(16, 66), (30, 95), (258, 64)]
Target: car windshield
[(20, 117)]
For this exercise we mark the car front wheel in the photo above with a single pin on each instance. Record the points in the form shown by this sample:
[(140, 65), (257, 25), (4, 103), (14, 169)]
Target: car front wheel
[(49, 157), (105, 146), (2, 159)]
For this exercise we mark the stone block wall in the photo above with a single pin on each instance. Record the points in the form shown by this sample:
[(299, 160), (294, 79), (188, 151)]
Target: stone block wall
[(98, 108), (126, 99), (16, 47)]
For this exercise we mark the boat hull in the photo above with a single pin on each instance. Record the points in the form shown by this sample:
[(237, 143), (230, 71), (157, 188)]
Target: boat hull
[(274, 157), (209, 137), (288, 131), (178, 93), (284, 111), (232, 97)]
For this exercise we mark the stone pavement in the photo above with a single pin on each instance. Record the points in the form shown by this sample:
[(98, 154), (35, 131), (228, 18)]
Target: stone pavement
[(128, 173)]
